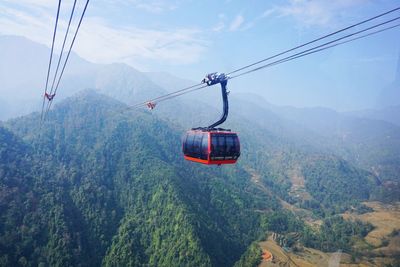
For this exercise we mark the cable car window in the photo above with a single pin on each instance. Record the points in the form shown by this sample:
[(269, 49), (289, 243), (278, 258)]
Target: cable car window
[(204, 146), (189, 143), (214, 144), (218, 147), (185, 143), (197, 145), (237, 145), (184, 147), (221, 145), (230, 149)]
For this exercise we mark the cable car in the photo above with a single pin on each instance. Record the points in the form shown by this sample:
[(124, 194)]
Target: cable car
[(211, 145)]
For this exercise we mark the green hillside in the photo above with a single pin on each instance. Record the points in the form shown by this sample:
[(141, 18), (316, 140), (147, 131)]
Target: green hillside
[(123, 195), (98, 187), (369, 145)]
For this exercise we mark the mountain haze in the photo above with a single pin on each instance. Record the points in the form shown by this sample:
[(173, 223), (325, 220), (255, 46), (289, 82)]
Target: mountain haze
[(128, 173), (23, 70), (98, 184), (370, 144), (388, 114), (123, 178), (390, 95)]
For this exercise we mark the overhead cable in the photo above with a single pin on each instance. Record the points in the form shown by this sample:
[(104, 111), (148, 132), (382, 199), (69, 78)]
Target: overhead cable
[(51, 57), (303, 53), (63, 45), (321, 47), (315, 40), (68, 54)]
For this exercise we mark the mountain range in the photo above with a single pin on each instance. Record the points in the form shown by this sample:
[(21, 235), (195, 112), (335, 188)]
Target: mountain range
[(98, 186), (23, 74)]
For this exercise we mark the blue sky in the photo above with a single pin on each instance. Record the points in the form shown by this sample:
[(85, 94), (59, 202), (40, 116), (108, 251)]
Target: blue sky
[(190, 38)]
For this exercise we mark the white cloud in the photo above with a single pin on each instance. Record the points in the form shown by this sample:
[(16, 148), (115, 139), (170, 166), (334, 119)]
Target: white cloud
[(373, 59), (317, 13), (219, 27), (38, 3), (221, 23), (15, 22), (236, 23), (100, 42), (267, 13), (156, 6), (311, 13), (152, 6)]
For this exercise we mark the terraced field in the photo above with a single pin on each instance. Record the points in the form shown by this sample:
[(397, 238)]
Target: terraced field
[(385, 218)]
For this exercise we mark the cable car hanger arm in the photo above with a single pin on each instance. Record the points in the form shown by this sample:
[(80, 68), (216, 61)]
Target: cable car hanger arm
[(222, 79), (225, 106)]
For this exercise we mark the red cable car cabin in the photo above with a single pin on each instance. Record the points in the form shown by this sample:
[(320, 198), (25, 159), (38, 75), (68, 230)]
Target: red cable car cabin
[(211, 147)]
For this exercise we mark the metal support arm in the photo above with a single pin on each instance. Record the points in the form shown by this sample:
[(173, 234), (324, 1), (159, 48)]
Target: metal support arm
[(225, 105), (211, 79)]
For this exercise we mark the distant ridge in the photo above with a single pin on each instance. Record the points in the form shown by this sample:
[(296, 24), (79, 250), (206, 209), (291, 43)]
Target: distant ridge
[(23, 72), (390, 95)]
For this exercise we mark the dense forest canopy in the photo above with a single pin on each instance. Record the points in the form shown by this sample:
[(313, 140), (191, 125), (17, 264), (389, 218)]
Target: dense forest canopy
[(97, 180), (100, 187)]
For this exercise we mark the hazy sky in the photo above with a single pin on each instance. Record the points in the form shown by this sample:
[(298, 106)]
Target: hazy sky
[(190, 38)]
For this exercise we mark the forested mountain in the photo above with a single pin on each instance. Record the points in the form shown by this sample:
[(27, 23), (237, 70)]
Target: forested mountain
[(97, 186), (373, 145), (121, 192), (369, 144), (100, 187)]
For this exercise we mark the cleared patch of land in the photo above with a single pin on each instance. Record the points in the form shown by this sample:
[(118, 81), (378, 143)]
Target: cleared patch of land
[(281, 257), (384, 217), (298, 189), (385, 238), (266, 255), (379, 248), (308, 257), (305, 215)]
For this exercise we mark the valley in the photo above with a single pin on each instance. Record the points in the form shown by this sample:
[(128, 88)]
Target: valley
[(101, 185), (379, 248)]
